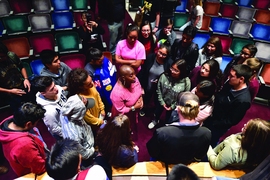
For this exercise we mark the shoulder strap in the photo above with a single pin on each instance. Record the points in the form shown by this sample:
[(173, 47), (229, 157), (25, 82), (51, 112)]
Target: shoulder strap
[(81, 175)]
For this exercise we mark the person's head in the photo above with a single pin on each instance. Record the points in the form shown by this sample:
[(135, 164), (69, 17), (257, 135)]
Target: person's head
[(3, 52), (182, 172), (197, 2), (127, 75), (64, 160), (50, 60), (255, 140), (248, 51), (167, 25), (116, 133), (95, 57), (239, 74), (188, 35), (86, 17), (78, 81), (188, 105), (209, 69), (131, 33), (178, 69), (46, 87), (205, 90), (146, 30), (163, 51), (28, 115), (213, 47), (254, 63)]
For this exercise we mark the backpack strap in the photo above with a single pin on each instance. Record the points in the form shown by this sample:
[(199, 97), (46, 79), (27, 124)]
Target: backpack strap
[(81, 175)]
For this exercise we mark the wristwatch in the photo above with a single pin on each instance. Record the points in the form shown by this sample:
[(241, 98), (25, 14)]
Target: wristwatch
[(132, 108)]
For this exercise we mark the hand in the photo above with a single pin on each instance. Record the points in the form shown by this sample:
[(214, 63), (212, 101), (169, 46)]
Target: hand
[(18, 92), (27, 84), (136, 148), (154, 30), (139, 103), (167, 108), (84, 100), (93, 23)]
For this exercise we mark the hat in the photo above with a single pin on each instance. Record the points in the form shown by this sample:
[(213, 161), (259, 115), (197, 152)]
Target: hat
[(183, 97), (90, 102)]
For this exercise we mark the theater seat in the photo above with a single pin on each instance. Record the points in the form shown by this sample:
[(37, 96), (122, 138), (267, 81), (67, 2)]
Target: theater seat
[(40, 42), (36, 66), (68, 42), (20, 46), (74, 60)]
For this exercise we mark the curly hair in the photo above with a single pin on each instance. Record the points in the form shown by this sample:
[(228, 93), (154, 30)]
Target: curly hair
[(76, 79)]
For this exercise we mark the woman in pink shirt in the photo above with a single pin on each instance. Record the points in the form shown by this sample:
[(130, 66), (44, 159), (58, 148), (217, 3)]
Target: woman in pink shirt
[(130, 51), (126, 95)]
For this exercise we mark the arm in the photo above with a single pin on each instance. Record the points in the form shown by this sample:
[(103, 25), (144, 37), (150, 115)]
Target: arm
[(157, 22), (92, 120), (18, 92), (204, 113), (159, 90), (171, 37), (26, 81), (100, 104), (222, 158), (52, 123)]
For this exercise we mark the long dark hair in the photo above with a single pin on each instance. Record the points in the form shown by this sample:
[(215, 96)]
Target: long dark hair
[(181, 66), (129, 28), (151, 36), (116, 133), (217, 43)]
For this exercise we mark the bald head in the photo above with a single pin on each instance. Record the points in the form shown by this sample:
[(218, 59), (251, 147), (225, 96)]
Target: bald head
[(125, 69)]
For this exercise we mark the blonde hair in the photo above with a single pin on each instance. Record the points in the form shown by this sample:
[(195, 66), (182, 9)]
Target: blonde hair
[(198, 2), (190, 110), (254, 63)]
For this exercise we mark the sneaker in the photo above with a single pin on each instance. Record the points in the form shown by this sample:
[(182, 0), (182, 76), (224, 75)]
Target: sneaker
[(142, 113), (152, 124)]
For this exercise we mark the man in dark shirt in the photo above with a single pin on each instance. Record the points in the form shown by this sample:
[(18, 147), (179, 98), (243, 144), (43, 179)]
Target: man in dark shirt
[(186, 49), (231, 103)]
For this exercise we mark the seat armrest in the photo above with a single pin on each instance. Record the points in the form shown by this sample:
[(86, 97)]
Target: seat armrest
[(261, 80)]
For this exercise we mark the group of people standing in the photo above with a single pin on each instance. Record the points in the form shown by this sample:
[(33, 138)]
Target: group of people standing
[(95, 109)]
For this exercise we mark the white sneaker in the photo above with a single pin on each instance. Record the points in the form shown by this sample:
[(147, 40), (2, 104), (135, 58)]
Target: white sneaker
[(152, 124)]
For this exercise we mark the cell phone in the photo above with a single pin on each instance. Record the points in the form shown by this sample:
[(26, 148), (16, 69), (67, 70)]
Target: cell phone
[(88, 17)]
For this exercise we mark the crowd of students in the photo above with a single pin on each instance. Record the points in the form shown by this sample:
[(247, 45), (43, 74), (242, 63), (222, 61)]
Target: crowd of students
[(92, 112)]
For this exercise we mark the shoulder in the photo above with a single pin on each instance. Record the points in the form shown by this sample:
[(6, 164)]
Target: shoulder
[(96, 172)]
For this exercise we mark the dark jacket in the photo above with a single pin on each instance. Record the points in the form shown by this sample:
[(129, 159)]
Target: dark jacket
[(175, 144), (148, 63), (189, 54), (112, 10)]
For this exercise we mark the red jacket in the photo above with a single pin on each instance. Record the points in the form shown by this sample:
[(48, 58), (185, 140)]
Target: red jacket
[(24, 151)]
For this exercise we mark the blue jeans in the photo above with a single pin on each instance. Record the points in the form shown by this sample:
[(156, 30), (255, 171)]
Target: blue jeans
[(114, 35)]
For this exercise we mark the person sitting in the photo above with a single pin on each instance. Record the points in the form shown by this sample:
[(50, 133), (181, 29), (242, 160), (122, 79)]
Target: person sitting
[(130, 51), (74, 126), (22, 143), (182, 172), (115, 144), (103, 73), (231, 103), (210, 70), (184, 141), (64, 162), (52, 98), (155, 64), (55, 69), (90, 33), (79, 82), (15, 85), (166, 33), (186, 49), (205, 90), (147, 38), (242, 150), (170, 84), (212, 49), (126, 95)]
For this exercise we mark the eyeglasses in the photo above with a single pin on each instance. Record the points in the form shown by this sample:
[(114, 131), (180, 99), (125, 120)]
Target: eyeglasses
[(244, 53), (146, 31), (162, 54), (174, 70)]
